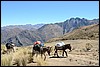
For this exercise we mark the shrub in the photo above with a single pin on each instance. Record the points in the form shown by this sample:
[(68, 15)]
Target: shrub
[(30, 58), (18, 61), (3, 47), (24, 61), (21, 60), (3, 51), (6, 60), (88, 46), (41, 62)]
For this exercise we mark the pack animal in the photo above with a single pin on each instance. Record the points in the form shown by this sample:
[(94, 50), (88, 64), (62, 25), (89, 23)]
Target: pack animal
[(10, 47), (63, 48), (38, 50)]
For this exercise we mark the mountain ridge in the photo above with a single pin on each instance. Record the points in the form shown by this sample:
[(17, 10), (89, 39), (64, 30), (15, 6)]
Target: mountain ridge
[(90, 32), (44, 32)]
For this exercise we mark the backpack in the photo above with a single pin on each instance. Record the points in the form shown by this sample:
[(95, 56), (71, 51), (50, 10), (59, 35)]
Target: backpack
[(42, 44)]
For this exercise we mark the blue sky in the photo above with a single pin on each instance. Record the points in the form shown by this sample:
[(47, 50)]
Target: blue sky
[(36, 12)]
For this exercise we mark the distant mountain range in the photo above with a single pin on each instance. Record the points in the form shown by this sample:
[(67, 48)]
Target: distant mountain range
[(90, 32), (24, 35), (24, 27)]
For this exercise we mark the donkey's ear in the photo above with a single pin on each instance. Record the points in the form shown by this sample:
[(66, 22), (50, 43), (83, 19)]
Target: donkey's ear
[(68, 44)]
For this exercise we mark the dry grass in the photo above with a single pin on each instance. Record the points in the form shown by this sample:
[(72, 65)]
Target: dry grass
[(23, 56), (40, 61), (6, 60), (3, 47), (20, 57)]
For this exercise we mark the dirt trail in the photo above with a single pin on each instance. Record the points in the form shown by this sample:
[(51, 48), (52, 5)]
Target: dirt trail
[(78, 56), (72, 60)]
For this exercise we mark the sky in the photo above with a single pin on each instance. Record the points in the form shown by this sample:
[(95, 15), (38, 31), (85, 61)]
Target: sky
[(37, 12)]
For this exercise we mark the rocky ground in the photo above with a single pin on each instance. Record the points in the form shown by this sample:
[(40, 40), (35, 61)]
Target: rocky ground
[(79, 56)]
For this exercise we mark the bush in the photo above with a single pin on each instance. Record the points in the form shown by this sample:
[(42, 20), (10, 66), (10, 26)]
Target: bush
[(3, 51), (6, 60), (21, 61), (3, 47), (30, 58), (88, 46), (18, 62), (24, 60), (41, 62)]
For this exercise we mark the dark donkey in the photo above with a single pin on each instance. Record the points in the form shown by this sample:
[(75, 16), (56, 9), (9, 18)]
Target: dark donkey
[(64, 47), (10, 47), (38, 50)]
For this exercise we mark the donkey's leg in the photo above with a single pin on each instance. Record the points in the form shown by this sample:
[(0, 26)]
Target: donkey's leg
[(8, 51), (63, 53), (55, 53), (36, 54), (13, 49), (44, 57), (33, 53), (66, 53), (41, 56)]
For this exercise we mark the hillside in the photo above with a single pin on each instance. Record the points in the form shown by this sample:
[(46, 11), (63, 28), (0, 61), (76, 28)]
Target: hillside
[(90, 32), (50, 31), (26, 35)]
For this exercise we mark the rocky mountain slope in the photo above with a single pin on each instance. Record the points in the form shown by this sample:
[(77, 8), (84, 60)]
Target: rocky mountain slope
[(90, 32), (26, 35)]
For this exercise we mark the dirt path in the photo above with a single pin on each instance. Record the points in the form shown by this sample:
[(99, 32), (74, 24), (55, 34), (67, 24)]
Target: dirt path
[(72, 60), (78, 57)]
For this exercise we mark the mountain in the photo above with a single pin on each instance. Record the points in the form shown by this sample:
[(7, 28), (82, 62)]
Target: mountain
[(15, 32), (74, 23), (24, 27), (25, 38), (8, 33), (50, 31), (26, 35), (90, 32)]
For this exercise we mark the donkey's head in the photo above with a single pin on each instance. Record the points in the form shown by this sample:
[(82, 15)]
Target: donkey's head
[(68, 46)]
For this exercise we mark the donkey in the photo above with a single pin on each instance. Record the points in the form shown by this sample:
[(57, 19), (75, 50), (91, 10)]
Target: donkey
[(38, 50), (64, 47), (10, 47)]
